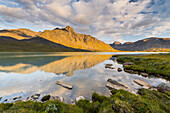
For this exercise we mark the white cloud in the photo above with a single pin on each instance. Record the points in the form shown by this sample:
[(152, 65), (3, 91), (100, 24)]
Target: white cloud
[(111, 19)]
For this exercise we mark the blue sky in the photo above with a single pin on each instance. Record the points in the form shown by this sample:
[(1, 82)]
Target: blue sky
[(107, 20)]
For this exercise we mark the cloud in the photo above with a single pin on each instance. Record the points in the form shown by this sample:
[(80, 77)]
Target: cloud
[(111, 19)]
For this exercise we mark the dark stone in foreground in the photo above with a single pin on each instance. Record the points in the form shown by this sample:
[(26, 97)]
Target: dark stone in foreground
[(119, 69), (46, 98)]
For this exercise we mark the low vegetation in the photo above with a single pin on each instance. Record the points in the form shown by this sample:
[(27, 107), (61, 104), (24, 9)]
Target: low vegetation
[(152, 64), (120, 101)]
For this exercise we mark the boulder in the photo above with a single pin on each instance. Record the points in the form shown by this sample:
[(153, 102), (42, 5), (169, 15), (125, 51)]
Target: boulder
[(128, 63), (79, 98), (5, 100), (57, 98), (65, 85), (113, 84), (109, 66), (163, 87), (119, 69), (72, 102), (17, 97), (46, 98), (35, 96), (144, 74), (143, 83)]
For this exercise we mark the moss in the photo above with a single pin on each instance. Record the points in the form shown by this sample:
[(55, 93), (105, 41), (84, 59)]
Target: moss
[(120, 101), (152, 64)]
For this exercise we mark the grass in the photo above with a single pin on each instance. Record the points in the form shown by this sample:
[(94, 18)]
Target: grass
[(119, 102), (157, 64)]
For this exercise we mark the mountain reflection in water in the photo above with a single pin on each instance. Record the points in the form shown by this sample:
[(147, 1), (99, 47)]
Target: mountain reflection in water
[(66, 65)]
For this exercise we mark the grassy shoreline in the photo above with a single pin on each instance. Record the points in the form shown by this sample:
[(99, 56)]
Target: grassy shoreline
[(156, 64), (119, 101)]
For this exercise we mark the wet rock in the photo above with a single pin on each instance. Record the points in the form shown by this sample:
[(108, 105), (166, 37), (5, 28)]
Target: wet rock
[(79, 98), (17, 97), (128, 63), (35, 96), (65, 85), (57, 98), (17, 101), (109, 66), (113, 84), (144, 74), (72, 102), (5, 100), (46, 98), (0, 98), (143, 83), (119, 69), (163, 87)]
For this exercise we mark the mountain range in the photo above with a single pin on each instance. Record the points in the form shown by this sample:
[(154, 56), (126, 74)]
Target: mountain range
[(148, 44), (64, 39)]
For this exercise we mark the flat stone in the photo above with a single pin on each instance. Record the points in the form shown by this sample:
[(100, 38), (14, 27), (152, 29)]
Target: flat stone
[(17, 101), (113, 84), (128, 63), (65, 85), (142, 83), (79, 98), (144, 74)]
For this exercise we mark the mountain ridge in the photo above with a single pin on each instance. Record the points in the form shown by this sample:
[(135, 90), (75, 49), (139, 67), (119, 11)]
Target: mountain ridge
[(147, 44), (66, 37)]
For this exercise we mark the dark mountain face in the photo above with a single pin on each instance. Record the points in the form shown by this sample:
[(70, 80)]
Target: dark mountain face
[(143, 45)]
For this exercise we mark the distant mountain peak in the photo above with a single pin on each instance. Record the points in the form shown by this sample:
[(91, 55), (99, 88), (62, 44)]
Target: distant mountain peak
[(68, 28)]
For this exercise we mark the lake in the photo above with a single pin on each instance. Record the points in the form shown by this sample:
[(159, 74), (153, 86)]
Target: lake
[(25, 74)]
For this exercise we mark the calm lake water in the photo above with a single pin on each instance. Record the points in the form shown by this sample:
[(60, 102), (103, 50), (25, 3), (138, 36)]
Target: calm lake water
[(25, 74)]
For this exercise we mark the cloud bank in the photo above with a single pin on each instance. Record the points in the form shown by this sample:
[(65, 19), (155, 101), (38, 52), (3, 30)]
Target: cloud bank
[(108, 20)]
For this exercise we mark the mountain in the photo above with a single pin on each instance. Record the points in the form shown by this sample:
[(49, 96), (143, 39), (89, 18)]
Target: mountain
[(148, 44), (65, 39)]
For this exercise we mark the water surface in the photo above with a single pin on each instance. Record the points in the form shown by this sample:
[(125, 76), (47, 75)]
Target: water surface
[(24, 74)]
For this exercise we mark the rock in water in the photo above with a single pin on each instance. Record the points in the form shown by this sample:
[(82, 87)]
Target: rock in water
[(144, 74), (128, 63), (79, 98), (66, 85), (35, 96), (46, 98), (162, 87), (57, 98), (143, 83), (113, 84), (119, 69), (0, 98)]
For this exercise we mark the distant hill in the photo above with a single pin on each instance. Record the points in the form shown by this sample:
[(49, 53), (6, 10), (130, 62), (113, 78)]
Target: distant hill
[(148, 44), (65, 39)]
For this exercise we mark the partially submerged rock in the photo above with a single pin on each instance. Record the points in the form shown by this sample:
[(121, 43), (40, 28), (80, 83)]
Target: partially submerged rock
[(143, 83), (46, 98), (113, 84), (119, 69), (128, 63), (57, 98), (144, 74), (17, 101), (0, 98), (109, 66), (35, 96), (79, 98), (163, 87), (17, 97), (66, 85)]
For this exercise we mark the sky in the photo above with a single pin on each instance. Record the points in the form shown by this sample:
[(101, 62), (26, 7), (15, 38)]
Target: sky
[(107, 20)]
